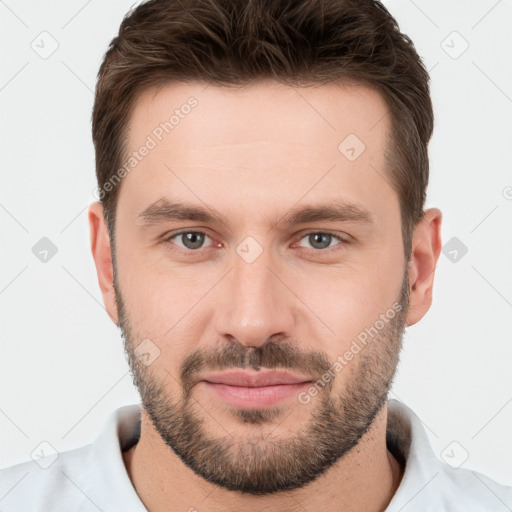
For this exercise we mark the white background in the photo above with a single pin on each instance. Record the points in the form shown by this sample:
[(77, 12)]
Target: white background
[(62, 366)]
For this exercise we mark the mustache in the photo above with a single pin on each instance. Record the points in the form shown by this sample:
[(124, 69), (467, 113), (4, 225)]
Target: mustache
[(270, 355)]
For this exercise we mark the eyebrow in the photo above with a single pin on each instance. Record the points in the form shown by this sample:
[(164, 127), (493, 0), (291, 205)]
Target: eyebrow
[(339, 211), (164, 210)]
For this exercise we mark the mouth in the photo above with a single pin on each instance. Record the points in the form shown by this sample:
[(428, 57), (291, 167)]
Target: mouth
[(255, 390)]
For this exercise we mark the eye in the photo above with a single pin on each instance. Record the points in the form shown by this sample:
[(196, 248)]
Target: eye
[(320, 240), (191, 240)]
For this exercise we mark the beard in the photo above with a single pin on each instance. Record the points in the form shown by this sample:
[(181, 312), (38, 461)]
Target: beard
[(260, 464)]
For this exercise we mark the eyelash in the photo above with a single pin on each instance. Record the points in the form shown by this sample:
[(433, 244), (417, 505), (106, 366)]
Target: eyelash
[(342, 241)]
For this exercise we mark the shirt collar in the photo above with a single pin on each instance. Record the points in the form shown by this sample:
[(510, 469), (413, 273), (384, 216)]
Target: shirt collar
[(408, 442)]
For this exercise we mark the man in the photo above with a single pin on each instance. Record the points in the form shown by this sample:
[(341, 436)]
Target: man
[(262, 243)]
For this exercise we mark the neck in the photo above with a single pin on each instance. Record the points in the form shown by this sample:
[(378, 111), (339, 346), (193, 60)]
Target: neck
[(365, 479)]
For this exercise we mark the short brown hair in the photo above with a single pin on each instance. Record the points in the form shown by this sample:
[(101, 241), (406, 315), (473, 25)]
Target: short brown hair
[(296, 42)]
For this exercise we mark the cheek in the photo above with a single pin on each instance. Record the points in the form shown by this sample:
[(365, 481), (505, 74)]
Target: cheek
[(164, 304), (349, 298)]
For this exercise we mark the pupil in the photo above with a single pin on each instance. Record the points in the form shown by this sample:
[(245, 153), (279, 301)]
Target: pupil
[(320, 240)]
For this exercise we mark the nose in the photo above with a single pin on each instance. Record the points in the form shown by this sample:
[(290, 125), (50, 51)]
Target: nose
[(253, 303)]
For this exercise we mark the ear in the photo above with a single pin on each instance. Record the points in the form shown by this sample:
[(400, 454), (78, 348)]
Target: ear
[(426, 248), (102, 254)]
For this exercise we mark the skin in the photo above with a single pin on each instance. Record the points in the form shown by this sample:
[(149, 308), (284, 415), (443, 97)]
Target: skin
[(252, 155)]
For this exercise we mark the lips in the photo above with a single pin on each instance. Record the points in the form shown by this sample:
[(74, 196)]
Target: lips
[(254, 390), (254, 380)]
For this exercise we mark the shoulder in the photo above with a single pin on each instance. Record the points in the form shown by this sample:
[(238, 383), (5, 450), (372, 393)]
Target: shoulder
[(463, 489), (47, 484), (91, 477), (430, 485)]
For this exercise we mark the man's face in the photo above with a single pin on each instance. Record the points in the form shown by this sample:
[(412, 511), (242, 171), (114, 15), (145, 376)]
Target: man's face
[(268, 283)]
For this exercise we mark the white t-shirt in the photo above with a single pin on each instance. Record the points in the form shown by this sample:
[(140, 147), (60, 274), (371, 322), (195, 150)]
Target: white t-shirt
[(93, 478)]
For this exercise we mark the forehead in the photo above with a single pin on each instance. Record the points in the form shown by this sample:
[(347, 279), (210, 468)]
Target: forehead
[(269, 142), (220, 115)]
